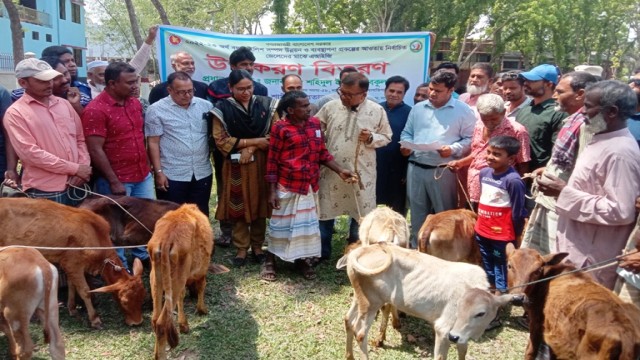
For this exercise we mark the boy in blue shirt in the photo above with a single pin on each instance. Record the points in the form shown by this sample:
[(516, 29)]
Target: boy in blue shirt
[(501, 209)]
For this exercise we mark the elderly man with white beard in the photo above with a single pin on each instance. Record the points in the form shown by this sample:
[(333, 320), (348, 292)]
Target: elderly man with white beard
[(596, 207), (479, 83)]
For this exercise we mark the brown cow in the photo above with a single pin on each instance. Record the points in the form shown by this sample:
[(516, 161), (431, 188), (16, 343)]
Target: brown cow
[(449, 235), (28, 284), (575, 316), (44, 223), (180, 251), (125, 230)]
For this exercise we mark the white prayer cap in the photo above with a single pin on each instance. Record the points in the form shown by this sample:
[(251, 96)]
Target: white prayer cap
[(96, 63), (594, 70)]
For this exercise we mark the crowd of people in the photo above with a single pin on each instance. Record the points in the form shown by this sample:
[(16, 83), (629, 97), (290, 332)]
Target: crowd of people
[(559, 149)]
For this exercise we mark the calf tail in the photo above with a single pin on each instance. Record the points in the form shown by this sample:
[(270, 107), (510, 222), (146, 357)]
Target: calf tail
[(51, 329), (357, 267), (165, 328), (424, 236)]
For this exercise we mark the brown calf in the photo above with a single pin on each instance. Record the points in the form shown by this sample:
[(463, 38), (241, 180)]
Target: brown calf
[(180, 251), (28, 284), (125, 230), (449, 235), (575, 316), (44, 223)]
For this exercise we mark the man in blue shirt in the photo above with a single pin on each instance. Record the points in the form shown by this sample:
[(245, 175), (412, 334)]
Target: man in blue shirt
[(391, 165), (5, 102), (448, 123)]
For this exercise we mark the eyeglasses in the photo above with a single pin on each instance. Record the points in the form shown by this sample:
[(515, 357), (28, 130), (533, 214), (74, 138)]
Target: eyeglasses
[(347, 95), (183, 92), (244, 90), (635, 82)]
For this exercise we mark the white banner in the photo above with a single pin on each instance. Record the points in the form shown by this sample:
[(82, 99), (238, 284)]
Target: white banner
[(317, 59)]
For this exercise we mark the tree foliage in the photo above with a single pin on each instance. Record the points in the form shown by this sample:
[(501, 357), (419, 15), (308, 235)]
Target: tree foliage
[(564, 32)]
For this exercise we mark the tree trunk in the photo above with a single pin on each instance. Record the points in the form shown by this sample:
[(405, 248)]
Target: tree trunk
[(163, 14), (133, 19), (16, 31)]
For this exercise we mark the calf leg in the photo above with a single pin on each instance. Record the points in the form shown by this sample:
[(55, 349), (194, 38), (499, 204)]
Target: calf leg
[(441, 347), (201, 306), (462, 351), (182, 318), (348, 327), (368, 320), (80, 283), (19, 337), (384, 320)]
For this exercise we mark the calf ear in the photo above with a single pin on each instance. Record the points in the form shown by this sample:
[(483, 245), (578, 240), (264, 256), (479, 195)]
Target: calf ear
[(137, 267), (554, 259), (217, 269), (342, 263), (107, 289), (510, 249)]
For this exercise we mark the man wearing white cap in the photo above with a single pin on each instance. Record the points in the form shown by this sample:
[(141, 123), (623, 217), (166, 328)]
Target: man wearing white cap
[(46, 133), (95, 76)]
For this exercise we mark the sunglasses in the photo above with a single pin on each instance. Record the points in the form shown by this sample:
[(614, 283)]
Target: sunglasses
[(509, 76), (635, 82)]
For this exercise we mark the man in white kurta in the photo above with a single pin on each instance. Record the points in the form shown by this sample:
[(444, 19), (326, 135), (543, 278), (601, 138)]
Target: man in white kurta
[(596, 207), (347, 122)]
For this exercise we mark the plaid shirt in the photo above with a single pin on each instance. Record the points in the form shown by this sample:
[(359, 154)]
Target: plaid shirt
[(295, 155), (565, 150)]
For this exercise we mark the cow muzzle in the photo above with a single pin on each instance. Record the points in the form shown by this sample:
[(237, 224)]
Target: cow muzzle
[(454, 338)]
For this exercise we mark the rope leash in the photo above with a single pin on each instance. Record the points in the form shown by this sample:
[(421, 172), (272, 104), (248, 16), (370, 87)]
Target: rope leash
[(87, 191), (587, 269), (437, 177), (68, 248)]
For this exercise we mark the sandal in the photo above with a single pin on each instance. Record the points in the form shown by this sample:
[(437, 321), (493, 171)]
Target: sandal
[(494, 324), (306, 268), (268, 270), (240, 260), (258, 258)]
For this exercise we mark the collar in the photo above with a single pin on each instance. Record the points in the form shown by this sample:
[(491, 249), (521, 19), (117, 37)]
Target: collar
[(450, 103), (29, 99), (545, 104), (612, 134), (107, 98), (386, 106)]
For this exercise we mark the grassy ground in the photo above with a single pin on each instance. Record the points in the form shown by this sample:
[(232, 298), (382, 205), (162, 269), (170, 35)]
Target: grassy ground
[(251, 319)]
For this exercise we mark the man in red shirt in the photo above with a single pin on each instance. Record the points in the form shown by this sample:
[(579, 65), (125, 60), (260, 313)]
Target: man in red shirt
[(113, 125)]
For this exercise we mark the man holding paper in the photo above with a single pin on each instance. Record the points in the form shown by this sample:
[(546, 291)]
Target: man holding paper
[(444, 121)]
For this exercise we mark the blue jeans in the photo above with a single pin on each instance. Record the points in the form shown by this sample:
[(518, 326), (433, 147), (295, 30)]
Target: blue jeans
[(326, 234), (494, 260), (143, 189)]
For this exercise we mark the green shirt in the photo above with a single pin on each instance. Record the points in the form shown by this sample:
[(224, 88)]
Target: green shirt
[(542, 122)]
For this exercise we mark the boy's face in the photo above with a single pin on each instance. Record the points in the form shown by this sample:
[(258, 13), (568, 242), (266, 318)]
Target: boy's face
[(498, 159)]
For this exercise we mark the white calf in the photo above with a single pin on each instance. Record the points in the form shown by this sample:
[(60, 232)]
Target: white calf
[(419, 285)]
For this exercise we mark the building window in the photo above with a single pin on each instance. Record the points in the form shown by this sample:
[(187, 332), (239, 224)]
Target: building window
[(511, 64), (63, 9), (49, 37), (483, 58), (31, 4), (75, 13), (439, 56), (77, 54), (35, 35)]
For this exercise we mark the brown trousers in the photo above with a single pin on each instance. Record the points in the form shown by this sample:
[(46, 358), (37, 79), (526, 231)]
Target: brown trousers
[(251, 234)]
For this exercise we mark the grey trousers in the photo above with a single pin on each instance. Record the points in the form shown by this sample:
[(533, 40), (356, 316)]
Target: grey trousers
[(427, 195)]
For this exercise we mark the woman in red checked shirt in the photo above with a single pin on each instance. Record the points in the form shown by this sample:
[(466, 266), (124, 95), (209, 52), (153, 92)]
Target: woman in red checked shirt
[(296, 151)]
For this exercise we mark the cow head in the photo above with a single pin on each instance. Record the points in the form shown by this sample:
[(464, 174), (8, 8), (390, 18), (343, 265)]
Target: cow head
[(527, 265), (127, 289), (476, 309)]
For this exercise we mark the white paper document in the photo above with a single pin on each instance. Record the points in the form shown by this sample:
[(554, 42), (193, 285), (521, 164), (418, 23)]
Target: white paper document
[(436, 145)]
